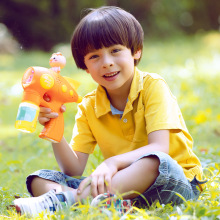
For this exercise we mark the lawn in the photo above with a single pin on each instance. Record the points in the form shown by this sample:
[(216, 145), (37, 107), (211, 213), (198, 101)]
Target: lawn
[(191, 67)]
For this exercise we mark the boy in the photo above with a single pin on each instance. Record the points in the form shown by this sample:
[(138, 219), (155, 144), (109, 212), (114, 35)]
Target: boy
[(132, 116)]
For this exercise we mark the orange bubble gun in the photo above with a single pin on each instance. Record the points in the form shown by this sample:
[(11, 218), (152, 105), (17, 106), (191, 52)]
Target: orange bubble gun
[(38, 83)]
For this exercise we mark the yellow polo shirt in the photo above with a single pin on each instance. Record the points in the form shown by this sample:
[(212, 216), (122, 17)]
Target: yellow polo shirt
[(151, 106)]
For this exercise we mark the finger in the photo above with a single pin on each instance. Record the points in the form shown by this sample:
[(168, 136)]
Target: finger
[(83, 185), (50, 115), (101, 185), (44, 110), (43, 120), (63, 108), (94, 191), (108, 182)]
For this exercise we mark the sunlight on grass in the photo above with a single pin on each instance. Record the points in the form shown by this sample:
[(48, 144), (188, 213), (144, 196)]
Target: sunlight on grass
[(7, 131), (191, 67)]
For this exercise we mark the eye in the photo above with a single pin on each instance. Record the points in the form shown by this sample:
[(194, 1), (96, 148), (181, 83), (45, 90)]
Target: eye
[(93, 57), (116, 50)]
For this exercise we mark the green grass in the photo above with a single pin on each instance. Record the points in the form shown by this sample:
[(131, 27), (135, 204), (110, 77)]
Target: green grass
[(190, 65)]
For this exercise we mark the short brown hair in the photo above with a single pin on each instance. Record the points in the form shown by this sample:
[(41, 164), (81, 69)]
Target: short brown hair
[(104, 27)]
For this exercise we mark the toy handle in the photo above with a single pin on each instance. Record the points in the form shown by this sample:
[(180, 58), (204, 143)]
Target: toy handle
[(54, 129)]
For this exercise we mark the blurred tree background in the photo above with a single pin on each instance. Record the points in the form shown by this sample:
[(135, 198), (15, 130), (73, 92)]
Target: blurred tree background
[(41, 24)]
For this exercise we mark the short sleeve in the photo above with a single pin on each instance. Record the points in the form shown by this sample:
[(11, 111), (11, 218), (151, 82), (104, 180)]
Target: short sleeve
[(82, 137), (161, 108)]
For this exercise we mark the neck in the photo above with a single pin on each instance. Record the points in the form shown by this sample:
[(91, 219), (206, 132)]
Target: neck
[(118, 101), (119, 98)]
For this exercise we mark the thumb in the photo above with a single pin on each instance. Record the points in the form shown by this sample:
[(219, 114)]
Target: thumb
[(83, 185), (63, 108)]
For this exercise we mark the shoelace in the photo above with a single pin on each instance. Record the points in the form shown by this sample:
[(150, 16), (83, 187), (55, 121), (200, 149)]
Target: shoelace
[(46, 202)]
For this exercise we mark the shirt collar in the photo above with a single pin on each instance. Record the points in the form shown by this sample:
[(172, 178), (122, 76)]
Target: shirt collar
[(136, 87), (102, 103), (137, 84)]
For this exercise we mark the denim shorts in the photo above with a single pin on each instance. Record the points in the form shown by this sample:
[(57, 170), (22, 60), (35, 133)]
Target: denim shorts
[(171, 185)]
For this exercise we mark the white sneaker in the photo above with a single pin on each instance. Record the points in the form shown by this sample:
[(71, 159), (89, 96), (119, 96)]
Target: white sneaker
[(106, 200), (50, 202)]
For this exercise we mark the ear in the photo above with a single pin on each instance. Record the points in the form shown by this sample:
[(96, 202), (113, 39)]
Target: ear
[(137, 54), (87, 70)]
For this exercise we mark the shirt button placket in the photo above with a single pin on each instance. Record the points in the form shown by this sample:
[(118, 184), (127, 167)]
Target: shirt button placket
[(125, 120), (124, 126), (127, 127)]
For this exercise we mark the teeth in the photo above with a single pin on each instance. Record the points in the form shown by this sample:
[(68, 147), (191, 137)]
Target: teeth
[(112, 74)]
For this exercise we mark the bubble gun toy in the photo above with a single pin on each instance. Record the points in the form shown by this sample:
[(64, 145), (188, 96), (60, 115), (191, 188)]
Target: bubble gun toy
[(38, 83)]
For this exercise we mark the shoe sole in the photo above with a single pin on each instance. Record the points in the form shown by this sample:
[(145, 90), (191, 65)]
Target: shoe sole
[(17, 208)]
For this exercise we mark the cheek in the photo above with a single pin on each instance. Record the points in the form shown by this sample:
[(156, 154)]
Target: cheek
[(96, 79), (126, 60)]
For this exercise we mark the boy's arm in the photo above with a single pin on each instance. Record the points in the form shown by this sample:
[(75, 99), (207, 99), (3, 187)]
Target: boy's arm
[(102, 176), (157, 141), (71, 162)]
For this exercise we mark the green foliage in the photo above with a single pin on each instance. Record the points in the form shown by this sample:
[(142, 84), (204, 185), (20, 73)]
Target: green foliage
[(42, 24), (190, 67)]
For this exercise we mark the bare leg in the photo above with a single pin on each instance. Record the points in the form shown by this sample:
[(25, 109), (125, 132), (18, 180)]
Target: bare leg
[(137, 177), (47, 185), (40, 186)]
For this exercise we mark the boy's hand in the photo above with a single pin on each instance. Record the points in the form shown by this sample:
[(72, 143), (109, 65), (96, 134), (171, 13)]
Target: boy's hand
[(45, 113), (100, 179)]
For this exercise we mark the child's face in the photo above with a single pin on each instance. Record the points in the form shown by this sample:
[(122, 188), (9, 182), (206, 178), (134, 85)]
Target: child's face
[(112, 67)]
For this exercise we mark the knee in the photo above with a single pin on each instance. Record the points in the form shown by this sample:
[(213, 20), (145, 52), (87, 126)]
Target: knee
[(36, 180), (139, 176), (36, 184)]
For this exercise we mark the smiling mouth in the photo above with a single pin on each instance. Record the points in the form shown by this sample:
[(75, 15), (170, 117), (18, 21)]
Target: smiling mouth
[(111, 74)]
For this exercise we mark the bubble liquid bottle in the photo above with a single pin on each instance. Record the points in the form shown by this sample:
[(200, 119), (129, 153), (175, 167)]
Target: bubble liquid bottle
[(28, 112), (27, 116)]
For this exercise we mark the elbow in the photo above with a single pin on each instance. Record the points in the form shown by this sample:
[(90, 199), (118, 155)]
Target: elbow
[(72, 172), (162, 148), (165, 149)]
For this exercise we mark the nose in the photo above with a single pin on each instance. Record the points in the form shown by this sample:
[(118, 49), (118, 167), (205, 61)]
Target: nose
[(107, 61)]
